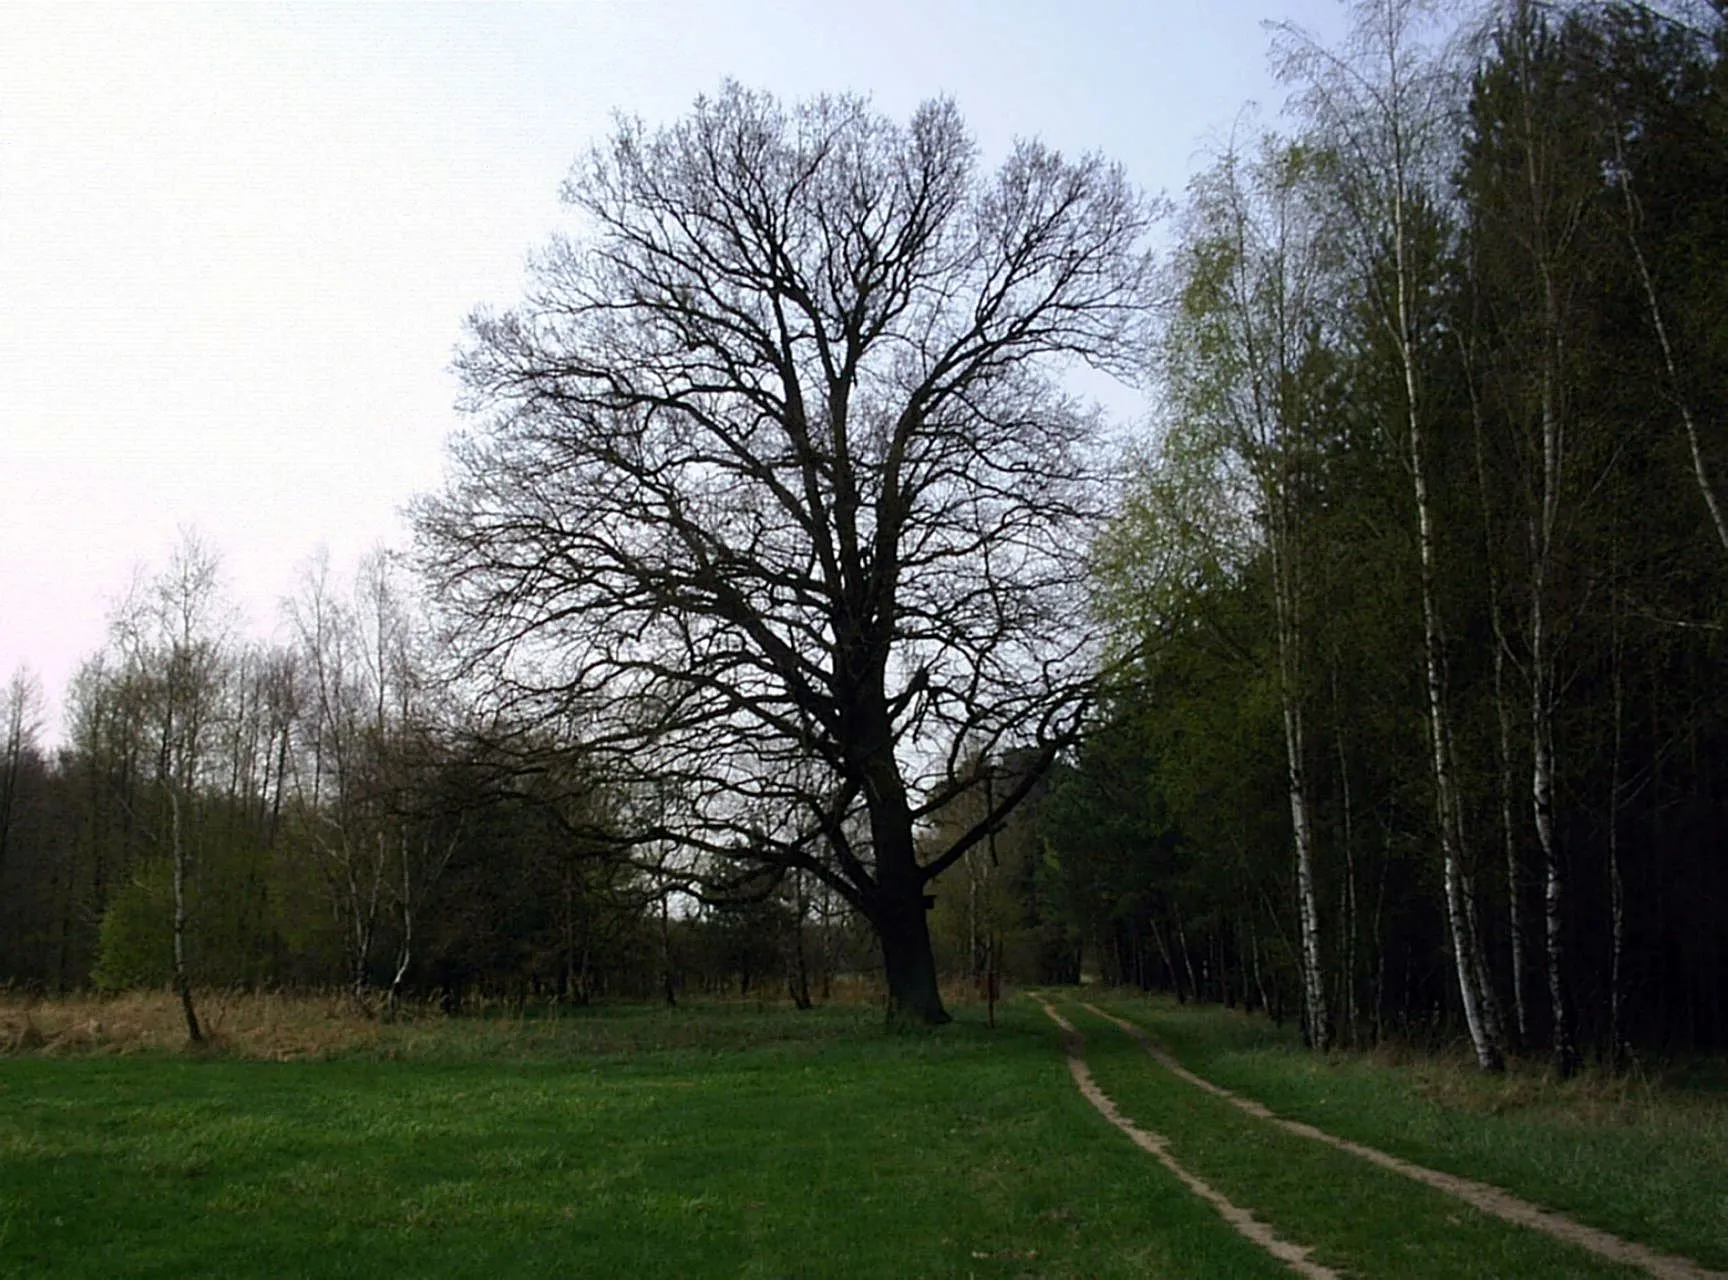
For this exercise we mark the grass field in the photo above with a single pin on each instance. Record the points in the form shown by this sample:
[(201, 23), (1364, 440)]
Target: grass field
[(730, 1140)]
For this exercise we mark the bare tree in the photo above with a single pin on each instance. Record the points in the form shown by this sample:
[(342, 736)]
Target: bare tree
[(774, 468), (361, 743)]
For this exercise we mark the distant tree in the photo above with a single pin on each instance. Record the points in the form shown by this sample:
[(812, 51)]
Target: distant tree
[(774, 499), (170, 636), (20, 725), (366, 757)]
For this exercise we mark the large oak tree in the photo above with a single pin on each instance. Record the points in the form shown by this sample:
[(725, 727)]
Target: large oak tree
[(774, 500)]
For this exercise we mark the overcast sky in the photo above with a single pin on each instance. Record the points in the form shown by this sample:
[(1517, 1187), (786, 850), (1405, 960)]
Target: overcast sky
[(237, 243)]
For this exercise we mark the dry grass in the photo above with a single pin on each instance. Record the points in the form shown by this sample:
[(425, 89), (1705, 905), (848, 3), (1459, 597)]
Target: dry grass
[(261, 1026), (280, 1027), (1638, 1094)]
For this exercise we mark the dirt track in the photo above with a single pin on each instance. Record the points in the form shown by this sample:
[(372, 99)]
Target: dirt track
[(1480, 1195), (1245, 1223)]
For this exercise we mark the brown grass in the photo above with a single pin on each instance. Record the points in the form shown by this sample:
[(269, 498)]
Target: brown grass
[(261, 1026), (1638, 1094), (281, 1027)]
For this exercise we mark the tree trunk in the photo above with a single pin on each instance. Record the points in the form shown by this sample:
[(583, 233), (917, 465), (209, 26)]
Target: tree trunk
[(1315, 1012), (974, 942), (896, 905), (914, 998), (1169, 962), (1447, 811), (1488, 1054), (1350, 941), (1188, 961), (1616, 884), (798, 975), (1287, 601), (1254, 955), (405, 952), (1542, 696), (1700, 473), (182, 984), (666, 982)]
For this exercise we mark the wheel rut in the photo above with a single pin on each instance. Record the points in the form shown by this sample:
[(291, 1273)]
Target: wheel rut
[(1480, 1195), (1296, 1257)]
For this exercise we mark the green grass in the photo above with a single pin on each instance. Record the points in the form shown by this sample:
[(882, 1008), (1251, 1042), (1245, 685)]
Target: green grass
[(1635, 1157), (646, 1143), (733, 1140)]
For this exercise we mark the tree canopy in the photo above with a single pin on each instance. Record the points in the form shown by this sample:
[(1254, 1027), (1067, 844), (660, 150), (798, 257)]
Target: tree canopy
[(774, 500)]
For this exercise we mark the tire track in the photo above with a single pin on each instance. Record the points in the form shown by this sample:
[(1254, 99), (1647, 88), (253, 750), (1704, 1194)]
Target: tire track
[(1480, 1195), (1296, 1257)]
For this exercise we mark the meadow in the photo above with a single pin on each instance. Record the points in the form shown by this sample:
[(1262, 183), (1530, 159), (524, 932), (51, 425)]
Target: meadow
[(735, 1139)]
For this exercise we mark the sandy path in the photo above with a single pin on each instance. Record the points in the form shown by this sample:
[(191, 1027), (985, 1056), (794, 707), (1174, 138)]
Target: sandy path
[(1481, 1195), (1245, 1223)]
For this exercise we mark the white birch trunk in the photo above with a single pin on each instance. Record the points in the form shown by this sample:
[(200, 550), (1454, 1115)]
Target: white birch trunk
[(1308, 915), (1616, 885), (1700, 474), (1488, 1052), (1543, 530)]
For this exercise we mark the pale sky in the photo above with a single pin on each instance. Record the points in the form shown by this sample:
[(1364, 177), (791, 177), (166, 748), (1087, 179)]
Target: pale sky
[(237, 243)]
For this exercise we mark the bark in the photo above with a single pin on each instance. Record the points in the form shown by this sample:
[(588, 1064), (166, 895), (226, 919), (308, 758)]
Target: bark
[(1502, 719), (914, 997), (1400, 319), (1254, 956), (1509, 841), (1315, 1012), (1616, 885), (1188, 961), (1169, 962), (1352, 922), (1492, 1025), (1543, 532), (363, 915), (1380, 947), (897, 905), (798, 975), (405, 951), (667, 985), (1488, 1053), (182, 983)]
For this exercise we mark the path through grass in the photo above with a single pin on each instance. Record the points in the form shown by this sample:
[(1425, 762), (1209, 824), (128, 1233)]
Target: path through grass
[(1652, 1167), (733, 1141), (709, 1142)]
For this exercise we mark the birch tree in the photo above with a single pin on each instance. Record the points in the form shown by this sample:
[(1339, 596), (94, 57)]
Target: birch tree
[(1386, 106), (1245, 358), (171, 635)]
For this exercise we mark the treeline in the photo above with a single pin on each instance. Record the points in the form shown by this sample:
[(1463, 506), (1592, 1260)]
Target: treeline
[(316, 814), (1424, 581), (1415, 604)]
